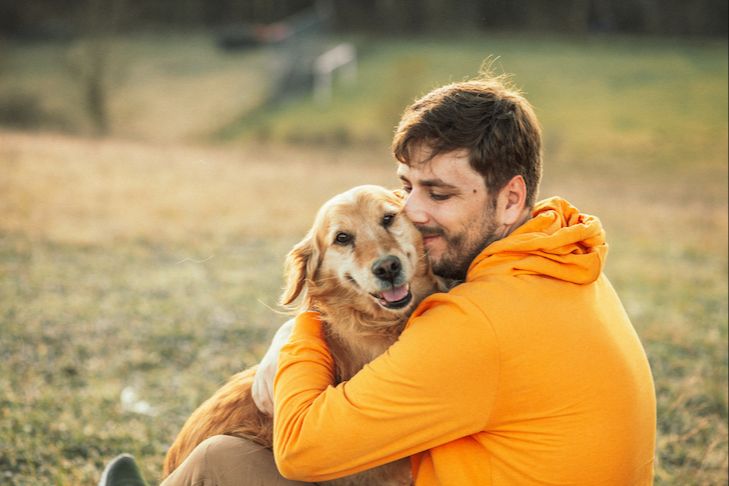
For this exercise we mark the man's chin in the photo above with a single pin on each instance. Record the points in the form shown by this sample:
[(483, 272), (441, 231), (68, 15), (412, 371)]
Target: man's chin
[(437, 254), (449, 268), (434, 251), (441, 266)]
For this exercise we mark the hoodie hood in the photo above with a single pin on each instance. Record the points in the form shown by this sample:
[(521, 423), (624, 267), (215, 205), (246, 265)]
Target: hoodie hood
[(557, 242)]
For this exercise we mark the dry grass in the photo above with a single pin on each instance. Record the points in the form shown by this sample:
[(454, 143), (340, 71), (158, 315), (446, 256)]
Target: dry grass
[(85, 191), (155, 267)]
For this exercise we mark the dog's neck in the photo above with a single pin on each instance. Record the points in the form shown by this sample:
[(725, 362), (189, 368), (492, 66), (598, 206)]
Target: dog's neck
[(355, 338)]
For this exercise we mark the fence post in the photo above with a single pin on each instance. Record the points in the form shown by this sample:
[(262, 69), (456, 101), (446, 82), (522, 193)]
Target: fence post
[(342, 57)]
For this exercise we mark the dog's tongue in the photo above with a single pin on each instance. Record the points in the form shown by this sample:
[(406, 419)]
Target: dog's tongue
[(395, 293)]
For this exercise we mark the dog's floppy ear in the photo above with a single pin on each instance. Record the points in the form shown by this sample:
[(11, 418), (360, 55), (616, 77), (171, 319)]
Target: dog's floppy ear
[(400, 195), (301, 265)]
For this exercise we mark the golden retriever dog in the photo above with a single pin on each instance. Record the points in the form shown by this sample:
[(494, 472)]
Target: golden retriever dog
[(362, 267)]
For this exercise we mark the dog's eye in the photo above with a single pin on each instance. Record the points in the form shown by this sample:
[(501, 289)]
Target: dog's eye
[(387, 220), (343, 238)]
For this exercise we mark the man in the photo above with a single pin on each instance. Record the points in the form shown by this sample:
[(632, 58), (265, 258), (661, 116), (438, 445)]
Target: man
[(529, 372)]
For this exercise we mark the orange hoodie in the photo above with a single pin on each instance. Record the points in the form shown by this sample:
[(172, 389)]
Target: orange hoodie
[(528, 373)]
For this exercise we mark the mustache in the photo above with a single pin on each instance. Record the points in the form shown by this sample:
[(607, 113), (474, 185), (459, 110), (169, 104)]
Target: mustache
[(426, 231)]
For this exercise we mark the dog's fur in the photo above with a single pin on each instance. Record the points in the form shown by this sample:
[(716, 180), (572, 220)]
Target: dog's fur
[(344, 281)]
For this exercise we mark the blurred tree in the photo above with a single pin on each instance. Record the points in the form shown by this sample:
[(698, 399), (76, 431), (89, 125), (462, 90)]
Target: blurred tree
[(88, 65), (90, 58)]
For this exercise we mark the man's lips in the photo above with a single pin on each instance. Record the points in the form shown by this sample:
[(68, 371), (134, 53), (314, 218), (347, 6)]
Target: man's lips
[(428, 240), (430, 234)]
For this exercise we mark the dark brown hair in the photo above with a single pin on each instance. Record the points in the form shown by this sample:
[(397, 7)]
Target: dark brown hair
[(488, 118)]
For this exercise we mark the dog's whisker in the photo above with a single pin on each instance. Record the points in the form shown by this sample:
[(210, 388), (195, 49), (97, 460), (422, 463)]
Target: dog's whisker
[(328, 278)]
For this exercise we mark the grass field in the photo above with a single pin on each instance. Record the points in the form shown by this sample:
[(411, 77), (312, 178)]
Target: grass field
[(138, 272)]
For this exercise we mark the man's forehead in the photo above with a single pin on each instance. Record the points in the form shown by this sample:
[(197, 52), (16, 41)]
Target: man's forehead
[(402, 169), (422, 153), (448, 168)]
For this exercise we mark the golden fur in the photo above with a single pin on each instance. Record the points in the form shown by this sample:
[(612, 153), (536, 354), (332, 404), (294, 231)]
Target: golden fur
[(339, 280)]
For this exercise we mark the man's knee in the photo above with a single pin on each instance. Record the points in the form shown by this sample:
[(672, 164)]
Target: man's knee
[(223, 452), (225, 460)]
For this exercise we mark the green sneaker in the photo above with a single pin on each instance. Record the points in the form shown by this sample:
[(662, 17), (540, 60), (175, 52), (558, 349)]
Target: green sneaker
[(122, 471)]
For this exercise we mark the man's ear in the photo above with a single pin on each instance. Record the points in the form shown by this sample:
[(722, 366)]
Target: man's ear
[(511, 201), (301, 266)]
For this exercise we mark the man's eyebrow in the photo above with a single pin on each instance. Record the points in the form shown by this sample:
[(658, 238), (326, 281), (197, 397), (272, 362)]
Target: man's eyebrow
[(436, 182), (440, 183)]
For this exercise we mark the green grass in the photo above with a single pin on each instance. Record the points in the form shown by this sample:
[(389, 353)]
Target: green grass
[(80, 324), (616, 97), (154, 267)]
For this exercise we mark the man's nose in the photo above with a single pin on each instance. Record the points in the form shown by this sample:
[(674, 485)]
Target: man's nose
[(415, 210)]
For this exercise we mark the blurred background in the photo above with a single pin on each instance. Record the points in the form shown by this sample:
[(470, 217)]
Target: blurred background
[(159, 158)]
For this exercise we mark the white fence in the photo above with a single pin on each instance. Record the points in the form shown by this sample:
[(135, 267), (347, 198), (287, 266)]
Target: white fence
[(341, 58)]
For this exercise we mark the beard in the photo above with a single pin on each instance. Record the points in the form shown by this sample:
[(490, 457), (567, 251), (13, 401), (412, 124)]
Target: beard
[(461, 248)]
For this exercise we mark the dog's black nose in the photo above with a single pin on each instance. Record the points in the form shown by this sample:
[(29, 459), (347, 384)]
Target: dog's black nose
[(387, 268)]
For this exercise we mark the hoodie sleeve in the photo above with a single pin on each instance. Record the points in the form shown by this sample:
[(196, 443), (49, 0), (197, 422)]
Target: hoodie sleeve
[(435, 384)]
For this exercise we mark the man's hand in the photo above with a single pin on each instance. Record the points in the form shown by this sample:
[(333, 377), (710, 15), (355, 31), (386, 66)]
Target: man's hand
[(262, 390)]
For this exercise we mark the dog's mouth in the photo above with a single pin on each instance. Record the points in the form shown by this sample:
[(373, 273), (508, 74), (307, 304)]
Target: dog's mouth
[(394, 297)]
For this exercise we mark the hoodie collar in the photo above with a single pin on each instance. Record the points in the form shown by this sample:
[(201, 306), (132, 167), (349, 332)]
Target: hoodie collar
[(558, 242)]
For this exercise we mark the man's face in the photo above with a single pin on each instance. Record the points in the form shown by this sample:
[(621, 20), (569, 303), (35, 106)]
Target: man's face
[(450, 205)]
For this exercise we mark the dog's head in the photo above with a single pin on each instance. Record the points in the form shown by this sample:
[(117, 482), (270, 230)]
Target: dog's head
[(361, 252)]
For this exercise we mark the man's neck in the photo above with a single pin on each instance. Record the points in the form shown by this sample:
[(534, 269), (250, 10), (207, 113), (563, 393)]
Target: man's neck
[(523, 218)]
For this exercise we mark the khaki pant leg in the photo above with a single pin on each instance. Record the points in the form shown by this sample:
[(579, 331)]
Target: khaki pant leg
[(229, 461)]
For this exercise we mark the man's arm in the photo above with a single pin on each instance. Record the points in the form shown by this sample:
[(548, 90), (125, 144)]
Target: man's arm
[(434, 385)]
